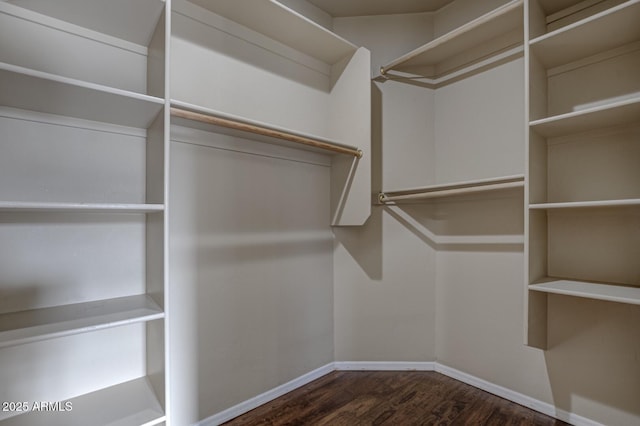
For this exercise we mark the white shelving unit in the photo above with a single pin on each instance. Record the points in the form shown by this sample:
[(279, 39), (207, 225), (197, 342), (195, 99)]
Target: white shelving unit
[(310, 82), (82, 210), (442, 58), (582, 195), (462, 159)]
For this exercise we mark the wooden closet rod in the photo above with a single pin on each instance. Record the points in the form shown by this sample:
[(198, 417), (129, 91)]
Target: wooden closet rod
[(263, 131)]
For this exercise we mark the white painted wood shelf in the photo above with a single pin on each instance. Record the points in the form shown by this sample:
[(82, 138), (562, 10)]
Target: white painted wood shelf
[(453, 189), (603, 31), (47, 323), (39, 91), (586, 204), (22, 206), (614, 114), (276, 21), (195, 124), (589, 290), (131, 403), (504, 19)]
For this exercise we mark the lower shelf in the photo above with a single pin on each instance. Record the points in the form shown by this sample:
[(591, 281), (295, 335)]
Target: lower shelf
[(40, 324), (131, 403), (590, 290)]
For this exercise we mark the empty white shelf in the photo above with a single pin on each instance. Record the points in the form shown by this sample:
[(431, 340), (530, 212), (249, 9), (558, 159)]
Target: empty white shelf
[(131, 403), (475, 33), (47, 323), (603, 31), (22, 206), (586, 204), (284, 25), (33, 90), (453, 189), (590, 290), (614, 114)]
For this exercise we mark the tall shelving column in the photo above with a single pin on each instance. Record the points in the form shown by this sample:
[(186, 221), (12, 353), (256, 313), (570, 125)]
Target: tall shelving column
[(583, 197), (82, 212)]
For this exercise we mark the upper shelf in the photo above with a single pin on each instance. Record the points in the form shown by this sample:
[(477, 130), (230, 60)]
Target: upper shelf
[(500, 21), (33, 90), (609, 115), (134, 21), (453, 189), (603, 31), (284, 25), (190, 115)]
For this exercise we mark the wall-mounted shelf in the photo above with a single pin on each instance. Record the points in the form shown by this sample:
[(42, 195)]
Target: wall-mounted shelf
[(48, 323), (590, 290), (613, 114), (33, 90), (284, 25), (20, 206), (131, 403), (453, 189), (603, 31), (585, 204), (210, 120), (487, 27)]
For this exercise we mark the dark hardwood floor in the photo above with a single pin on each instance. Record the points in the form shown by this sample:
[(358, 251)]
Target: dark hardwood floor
[(390, 398)]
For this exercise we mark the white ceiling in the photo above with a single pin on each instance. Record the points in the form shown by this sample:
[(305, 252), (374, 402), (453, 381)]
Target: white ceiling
[(377, 7)]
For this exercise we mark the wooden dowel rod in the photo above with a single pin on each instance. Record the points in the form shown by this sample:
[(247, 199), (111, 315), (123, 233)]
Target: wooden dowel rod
[(384, 198), (258, 130)]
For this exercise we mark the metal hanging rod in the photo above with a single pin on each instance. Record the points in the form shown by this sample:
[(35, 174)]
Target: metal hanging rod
[(452, 190), (264, 131)]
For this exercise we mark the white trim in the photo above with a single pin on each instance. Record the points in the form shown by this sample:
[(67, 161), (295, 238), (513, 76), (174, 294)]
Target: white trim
[(500, 391), (383, 366), (267, 396), (513, 396)]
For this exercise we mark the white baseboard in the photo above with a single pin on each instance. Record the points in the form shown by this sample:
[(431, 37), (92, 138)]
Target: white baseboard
[(518, 398), (267, 396), (383, 366), (513, 396)]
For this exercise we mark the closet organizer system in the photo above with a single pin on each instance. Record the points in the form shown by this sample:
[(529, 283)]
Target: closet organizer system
[(582, 103), (86, 119), (481, 44)]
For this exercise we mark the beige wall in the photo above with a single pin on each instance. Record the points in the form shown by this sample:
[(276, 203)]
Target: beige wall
[(471, 313), (250, 268)]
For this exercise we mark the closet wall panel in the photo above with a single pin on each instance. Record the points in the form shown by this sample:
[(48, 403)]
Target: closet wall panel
[(251, 265)]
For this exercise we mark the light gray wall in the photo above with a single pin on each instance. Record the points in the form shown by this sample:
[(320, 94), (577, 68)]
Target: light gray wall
[(250, 268), (471, 295)]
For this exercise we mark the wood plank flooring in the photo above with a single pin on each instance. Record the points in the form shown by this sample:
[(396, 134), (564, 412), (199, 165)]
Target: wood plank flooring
[(352, 398)]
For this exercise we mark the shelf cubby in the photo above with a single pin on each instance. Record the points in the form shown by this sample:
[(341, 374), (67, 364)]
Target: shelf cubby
[(58, 321), (608, 115), (39, 91), (132, 403), (603, 31)]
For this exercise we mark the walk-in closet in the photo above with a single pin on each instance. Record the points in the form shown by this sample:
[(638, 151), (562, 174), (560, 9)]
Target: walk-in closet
[(205, 204)]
